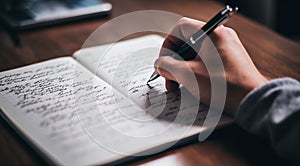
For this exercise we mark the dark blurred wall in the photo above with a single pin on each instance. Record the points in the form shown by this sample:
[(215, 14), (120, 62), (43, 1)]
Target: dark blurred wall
[(282, 16), (288, 17)]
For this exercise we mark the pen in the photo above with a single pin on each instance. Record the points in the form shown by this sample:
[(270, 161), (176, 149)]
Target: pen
[(196, 39)]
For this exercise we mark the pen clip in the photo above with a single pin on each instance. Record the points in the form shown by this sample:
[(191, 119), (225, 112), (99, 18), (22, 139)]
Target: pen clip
[(213, 23), (232, 10), (228, 11)]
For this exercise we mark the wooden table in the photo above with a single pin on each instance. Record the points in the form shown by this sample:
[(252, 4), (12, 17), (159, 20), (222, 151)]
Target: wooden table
[(274, 55)]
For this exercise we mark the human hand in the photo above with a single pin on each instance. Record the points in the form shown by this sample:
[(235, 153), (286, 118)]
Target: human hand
[(239, 71)]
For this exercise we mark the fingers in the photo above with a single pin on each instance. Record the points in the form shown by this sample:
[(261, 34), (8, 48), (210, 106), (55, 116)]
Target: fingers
[(168, 67), (184, 28), (178, 71), (175, 71)]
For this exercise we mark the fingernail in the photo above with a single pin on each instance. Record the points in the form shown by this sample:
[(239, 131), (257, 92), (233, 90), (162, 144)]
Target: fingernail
[(156, 67)]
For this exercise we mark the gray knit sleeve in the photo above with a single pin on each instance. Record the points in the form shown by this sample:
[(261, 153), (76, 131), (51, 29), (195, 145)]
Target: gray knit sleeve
[(273, 112)]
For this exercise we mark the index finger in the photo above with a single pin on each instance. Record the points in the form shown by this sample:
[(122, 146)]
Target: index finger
[(184, 28)]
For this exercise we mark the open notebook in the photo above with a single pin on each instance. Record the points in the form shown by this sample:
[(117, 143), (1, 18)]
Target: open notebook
[(95, 107)]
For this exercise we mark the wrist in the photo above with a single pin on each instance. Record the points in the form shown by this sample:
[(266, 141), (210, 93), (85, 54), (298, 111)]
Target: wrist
[(236, 93)]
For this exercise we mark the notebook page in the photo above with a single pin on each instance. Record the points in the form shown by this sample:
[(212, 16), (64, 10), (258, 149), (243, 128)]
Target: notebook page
[(75, 118), (44, 101)]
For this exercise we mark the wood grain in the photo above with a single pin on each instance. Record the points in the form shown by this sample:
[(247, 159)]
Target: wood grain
[(274, 55)]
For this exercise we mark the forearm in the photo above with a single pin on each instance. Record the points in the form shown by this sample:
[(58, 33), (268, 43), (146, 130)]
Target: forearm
[(273, 112)]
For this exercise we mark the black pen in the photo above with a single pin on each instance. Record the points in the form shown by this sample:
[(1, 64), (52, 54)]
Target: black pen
[(196, 39)]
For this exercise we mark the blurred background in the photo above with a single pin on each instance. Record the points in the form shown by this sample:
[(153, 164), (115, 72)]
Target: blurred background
[(281, 16)]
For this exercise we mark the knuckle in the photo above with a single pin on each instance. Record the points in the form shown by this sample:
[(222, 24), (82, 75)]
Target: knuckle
[(224, 34), (229, 31), (226, 31), (193, 68), (183, 21), (185, 26)]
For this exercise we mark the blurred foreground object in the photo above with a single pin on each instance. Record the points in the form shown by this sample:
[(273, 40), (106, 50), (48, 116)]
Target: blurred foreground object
[(27, 14)]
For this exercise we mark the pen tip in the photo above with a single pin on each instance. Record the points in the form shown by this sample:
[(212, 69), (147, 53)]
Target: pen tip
[(149, 81), (153, 76)]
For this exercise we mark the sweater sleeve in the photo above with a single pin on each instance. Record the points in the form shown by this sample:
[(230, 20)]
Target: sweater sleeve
[(272, 111)]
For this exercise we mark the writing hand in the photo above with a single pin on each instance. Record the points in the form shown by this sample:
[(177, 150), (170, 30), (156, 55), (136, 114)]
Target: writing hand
[(241, 74)]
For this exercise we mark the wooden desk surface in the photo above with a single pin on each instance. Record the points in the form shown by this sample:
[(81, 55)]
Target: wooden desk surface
[(274, 55)]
